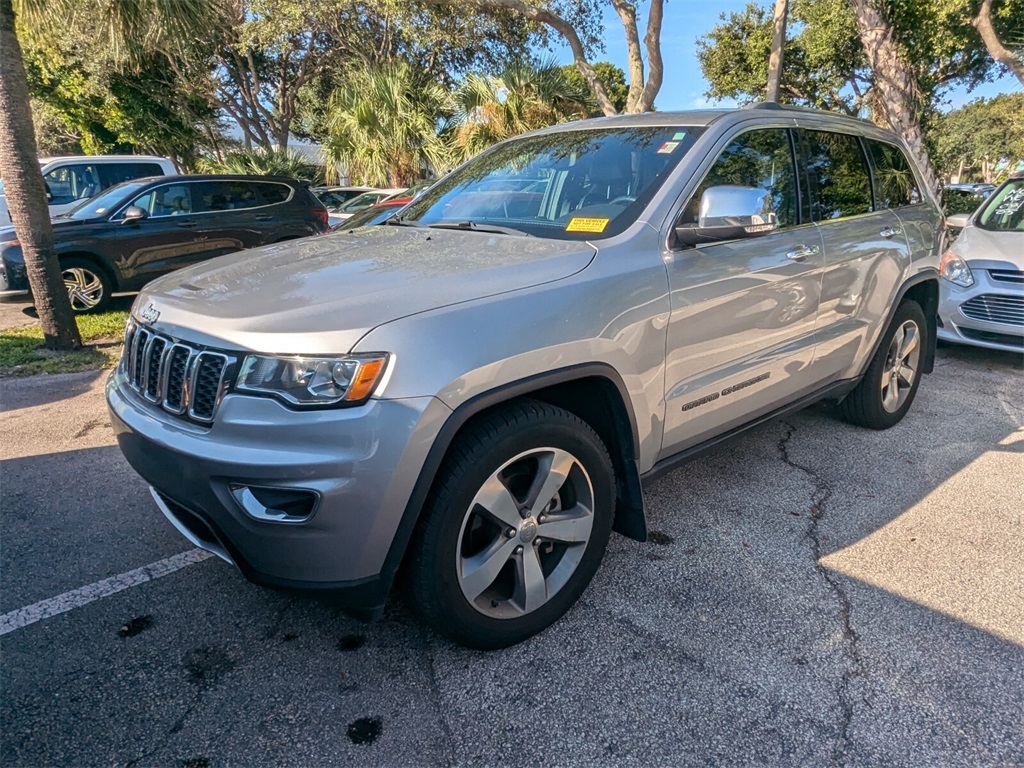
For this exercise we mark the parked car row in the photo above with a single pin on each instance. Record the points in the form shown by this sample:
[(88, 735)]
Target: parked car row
[(138, 230)]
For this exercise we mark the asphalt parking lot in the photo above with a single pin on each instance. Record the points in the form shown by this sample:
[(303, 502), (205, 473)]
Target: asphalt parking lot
[(814, 594)]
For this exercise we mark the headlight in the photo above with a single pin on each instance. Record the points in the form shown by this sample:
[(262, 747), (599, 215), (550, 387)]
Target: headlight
[(955, 269), (311, 381)]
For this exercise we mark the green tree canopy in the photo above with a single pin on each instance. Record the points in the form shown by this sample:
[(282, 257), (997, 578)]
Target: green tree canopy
[(979, 140)]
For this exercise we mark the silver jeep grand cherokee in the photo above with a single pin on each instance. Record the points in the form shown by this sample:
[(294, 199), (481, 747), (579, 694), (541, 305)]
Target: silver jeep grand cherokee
[(472, 394)]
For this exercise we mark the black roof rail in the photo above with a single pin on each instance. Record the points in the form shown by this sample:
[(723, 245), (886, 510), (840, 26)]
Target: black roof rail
[(766, 105)]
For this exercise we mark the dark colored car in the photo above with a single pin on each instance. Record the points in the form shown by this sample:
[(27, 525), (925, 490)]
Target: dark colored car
[(138, 230)]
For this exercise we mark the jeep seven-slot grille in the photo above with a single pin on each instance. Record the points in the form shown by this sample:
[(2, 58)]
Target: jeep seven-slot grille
[(185, 380), (995, 308)]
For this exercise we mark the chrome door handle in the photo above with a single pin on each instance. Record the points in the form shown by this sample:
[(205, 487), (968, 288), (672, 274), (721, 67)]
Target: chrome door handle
[(889, 232), (801, 252)]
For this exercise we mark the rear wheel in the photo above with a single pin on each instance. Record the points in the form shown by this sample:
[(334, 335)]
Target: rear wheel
[(516, 527), (88, 286), (890, 384)]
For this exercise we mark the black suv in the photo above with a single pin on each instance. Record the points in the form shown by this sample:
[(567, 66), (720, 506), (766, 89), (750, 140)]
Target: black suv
[(138, 230)]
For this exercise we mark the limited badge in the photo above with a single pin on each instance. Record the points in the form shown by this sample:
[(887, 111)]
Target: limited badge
[(584, 224), (150, 314)]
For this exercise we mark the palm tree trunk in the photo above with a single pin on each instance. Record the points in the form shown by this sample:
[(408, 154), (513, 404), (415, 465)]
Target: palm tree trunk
[(778, 44), (26, 193), (897, 92)]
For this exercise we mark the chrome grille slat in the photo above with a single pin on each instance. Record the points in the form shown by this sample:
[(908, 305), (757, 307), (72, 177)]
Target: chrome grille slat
[(995, 308), (183, 379), (1007, 275)]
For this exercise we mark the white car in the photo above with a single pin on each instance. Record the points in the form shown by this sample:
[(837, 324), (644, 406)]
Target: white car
[(72, 179), (365, 200), (981, 298)]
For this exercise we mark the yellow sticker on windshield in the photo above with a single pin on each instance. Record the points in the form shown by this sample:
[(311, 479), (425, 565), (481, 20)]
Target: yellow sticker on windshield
[(583, 224)]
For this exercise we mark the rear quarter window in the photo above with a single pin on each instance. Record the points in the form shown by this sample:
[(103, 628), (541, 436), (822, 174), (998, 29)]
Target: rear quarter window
[(895, 183), (272, 194)]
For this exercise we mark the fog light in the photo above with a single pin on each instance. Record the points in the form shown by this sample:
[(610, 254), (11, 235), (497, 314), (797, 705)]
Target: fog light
[(278, 505)]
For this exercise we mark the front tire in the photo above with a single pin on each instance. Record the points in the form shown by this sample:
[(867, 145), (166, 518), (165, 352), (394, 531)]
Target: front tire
[(890, 384), (515, 527), (88, 286)]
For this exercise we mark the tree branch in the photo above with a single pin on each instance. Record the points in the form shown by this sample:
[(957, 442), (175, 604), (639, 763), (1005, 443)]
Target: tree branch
[(560, 25), (983, 23)]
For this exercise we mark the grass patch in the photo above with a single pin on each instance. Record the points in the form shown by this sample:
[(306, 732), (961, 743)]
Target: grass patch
[(23, 353)]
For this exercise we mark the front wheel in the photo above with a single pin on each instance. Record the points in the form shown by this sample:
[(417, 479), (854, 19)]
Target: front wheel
[(88, 286), (890, 384), (515, 528)]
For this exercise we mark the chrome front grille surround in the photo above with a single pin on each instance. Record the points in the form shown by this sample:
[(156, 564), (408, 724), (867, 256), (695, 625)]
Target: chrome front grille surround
[(995, 308), (186, 380)]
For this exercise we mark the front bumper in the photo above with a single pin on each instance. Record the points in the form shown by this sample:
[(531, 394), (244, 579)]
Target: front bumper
[(13, 276), (360, 463), (958, 327)]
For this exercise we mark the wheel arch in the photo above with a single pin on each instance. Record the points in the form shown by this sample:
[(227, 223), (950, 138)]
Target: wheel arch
[(924, 289), (94, 259), (595, 393)]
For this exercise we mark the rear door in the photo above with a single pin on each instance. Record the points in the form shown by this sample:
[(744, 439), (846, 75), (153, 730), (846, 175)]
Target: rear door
[(741, 333), (227, 215), (865, 246)]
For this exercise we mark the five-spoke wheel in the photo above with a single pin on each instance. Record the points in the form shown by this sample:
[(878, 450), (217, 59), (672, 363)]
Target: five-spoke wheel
[(888, 387), (516, 526)]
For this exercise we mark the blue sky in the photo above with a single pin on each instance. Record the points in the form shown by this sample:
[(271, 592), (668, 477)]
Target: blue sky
[(684, 22)]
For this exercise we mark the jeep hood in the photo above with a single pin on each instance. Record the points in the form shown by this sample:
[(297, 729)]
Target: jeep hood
[(320, 295)]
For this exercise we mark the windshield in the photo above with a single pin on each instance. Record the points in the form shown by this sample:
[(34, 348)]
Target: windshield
[(1004, 211), (105, 202), (574, 185)]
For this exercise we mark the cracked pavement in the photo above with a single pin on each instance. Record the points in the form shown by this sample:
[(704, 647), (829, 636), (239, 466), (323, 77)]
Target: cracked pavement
[(812, 594)]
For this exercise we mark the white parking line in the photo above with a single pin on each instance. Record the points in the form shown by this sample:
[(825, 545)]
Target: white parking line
[(76, 598)]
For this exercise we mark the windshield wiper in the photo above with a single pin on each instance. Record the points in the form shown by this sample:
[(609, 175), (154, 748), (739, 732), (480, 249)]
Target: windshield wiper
[(474, 227)]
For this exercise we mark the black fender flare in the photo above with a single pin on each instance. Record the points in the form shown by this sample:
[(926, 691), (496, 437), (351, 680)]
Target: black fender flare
[(630, 520)]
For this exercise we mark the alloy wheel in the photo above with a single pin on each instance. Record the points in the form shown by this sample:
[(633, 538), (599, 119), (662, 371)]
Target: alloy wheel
[(901, 366), (525, 533), (85, 288)]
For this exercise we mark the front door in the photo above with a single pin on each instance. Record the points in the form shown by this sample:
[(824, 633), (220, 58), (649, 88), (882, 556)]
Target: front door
[(741, 333), (167, 239)]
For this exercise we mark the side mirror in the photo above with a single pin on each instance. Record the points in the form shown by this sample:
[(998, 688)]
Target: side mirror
[(728, 213), (134, 213), (958, 220)]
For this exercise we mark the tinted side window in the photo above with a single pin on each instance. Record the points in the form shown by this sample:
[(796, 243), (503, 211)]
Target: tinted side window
[(172, 200), (224, 196), (837, 175), (273, 193), (895, 184), (761, 159), (115, 173)]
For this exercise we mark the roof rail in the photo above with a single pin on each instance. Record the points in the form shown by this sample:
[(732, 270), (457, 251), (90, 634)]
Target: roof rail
[(766, 105)]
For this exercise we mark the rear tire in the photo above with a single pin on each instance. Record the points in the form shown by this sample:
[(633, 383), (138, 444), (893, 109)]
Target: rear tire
[(890, 384), (514, 528), (89, 287)]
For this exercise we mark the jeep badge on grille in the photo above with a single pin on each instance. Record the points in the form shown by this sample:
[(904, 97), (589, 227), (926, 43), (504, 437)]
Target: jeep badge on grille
[(150, 314)]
